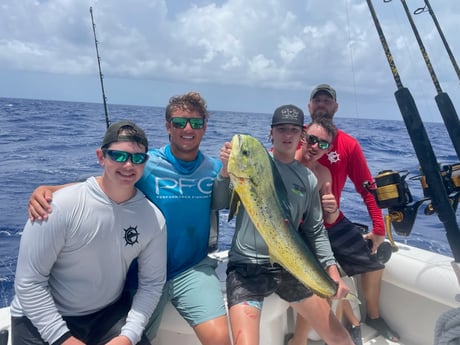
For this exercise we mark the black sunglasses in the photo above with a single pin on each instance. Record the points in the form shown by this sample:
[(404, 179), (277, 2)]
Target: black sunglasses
[(123, 156), (313, 139), (181, 122)]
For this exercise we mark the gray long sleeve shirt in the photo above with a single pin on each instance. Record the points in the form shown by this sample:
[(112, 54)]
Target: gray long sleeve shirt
[(301, 185), (75, 263)]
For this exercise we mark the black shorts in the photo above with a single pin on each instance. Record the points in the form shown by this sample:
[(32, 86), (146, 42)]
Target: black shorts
[(351, 250), (93, 329), (254, 282)]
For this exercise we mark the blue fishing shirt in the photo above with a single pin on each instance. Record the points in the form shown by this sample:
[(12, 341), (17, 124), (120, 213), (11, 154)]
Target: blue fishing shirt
[(183, 192)]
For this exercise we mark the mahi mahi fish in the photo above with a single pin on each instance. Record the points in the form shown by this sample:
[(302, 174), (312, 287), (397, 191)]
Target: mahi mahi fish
[(258, 185)]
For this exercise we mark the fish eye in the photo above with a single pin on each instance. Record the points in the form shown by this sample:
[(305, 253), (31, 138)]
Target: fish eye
[(245, 152)]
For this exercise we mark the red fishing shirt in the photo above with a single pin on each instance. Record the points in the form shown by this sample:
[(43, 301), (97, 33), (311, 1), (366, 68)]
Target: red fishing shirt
[(347, 159)]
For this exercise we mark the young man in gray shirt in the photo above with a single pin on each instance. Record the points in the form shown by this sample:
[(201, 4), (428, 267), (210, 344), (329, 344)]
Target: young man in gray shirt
[(72, 267)]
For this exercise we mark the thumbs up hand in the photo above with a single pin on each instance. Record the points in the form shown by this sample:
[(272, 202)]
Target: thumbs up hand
[(328, 201)]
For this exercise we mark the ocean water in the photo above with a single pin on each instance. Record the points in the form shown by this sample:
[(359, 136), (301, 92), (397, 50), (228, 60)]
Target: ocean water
[(52, 142)]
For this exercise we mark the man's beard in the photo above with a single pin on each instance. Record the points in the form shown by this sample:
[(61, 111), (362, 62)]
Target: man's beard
[(320, 114)]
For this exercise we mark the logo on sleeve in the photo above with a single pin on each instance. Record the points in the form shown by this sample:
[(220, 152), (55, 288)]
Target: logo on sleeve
[(131, 235), (333, 156)]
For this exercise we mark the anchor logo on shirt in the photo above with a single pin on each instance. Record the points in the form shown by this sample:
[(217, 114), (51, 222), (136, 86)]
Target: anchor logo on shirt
[(131, 235)]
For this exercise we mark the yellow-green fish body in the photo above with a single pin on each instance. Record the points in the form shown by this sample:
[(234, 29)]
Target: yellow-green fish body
[(259, 187)]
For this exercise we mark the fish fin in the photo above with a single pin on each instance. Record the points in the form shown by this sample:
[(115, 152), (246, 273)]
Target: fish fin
[(353, 297), (234, 202)]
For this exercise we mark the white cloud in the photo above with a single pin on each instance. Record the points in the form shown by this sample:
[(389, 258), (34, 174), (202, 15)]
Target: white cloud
[(274, 45)]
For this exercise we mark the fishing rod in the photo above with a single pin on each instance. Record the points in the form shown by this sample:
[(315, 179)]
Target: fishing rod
[(101, 76), (423, 148), (445, 105), (427, 8)]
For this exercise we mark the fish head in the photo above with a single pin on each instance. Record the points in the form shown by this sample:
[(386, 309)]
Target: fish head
[(247, 158)]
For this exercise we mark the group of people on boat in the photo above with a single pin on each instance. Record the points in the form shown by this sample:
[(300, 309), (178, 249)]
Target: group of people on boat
[(99, 260)]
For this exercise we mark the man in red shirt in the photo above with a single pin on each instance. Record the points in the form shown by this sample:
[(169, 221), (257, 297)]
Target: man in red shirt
[(346, 159)]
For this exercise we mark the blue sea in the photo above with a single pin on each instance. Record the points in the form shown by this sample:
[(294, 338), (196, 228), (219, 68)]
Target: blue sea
[(52, 142)]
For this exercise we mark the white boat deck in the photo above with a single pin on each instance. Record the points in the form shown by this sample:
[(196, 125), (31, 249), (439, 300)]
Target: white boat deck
[(418, 286), (369, 336)]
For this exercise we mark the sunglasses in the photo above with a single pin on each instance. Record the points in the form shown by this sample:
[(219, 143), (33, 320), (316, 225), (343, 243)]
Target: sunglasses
[(313, 139), (181, 122), (123, 156)]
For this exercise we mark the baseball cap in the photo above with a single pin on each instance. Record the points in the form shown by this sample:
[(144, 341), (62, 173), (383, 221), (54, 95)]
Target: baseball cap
[(134, 134), (288, 114), (324, 88)]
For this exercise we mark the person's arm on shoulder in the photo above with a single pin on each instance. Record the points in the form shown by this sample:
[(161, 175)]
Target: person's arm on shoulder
[(40, 201)]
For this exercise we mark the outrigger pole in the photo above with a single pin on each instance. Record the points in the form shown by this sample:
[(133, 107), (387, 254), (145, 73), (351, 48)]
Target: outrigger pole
[(101, 76), (445, 105), (436, 23), (423, 149)]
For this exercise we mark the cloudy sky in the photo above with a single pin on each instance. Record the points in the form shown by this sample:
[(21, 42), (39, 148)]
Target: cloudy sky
[(242, 55)]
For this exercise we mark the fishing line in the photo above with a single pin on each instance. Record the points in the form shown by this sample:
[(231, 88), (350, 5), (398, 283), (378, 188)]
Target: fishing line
[(422, 48), (420, 85), (350, 46), (101, 76), (385, 46), (422, 146), (429, 9), (445, 105)]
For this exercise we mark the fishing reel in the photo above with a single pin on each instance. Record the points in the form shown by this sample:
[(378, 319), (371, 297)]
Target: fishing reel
[(450, 175), (391, 191)]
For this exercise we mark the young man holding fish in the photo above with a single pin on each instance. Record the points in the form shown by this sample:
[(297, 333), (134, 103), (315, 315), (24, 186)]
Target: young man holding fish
[(251, 275)]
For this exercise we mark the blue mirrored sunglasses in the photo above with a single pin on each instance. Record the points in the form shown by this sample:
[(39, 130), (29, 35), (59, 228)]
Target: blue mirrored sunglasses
[(181, 122), (123, 156)]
